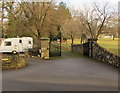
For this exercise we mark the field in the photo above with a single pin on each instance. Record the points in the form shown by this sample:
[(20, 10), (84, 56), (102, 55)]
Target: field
[(107, 43), (110, 45)]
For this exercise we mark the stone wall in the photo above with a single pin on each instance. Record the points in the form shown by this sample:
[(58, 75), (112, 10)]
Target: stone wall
[(77, 48), (98, 53), (44, 48), (104, 56), (13, 62)]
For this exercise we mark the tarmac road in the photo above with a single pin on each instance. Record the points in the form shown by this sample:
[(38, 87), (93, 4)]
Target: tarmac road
[(69, 73)]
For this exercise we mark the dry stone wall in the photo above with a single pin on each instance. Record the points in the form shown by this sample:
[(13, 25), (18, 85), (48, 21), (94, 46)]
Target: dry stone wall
[(98, 53), (77, 48), (13, 62), (104, 56)]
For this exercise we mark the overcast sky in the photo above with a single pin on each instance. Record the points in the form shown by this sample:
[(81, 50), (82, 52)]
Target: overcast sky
[(77, 4)]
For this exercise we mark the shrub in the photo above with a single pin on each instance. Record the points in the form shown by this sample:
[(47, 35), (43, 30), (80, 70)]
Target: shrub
[(34, 51)]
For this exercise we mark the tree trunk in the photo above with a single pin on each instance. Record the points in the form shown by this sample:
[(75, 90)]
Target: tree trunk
[(96, 37), (81, 40), (2, 20), (72, 41), (113, 37), (39, 36)]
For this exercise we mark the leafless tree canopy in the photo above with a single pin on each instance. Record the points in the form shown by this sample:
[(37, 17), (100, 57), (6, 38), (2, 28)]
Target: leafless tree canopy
[(41, 19)]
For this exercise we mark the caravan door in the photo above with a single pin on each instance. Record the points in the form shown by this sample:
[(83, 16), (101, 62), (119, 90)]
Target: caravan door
[(20, 45), (17, 43)]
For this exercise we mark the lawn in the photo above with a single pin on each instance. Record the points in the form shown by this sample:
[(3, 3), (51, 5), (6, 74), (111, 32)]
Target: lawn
[(107, 43), (110, 45)]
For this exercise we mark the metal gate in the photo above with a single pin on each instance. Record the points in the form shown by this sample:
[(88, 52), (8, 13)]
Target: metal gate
[(86, 49), (55, 45)]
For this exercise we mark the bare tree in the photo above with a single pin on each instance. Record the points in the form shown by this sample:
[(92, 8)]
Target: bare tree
[(94, 20), (70, 29), (10, 14), (36, 13)]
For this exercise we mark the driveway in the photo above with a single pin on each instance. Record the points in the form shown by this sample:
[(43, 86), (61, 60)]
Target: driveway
[(69, 73)]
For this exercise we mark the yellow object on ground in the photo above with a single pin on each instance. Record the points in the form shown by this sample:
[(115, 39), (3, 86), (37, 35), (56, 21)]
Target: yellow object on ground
[(5, 59)]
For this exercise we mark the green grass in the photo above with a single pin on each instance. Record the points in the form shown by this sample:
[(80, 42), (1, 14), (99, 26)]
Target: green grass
[(107, 43), (110, 45)]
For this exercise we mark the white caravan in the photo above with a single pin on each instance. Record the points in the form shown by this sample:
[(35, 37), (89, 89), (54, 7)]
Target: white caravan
[(20, 44)]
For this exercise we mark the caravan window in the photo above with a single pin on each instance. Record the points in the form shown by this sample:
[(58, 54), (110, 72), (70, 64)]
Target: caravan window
[(20, 41), (8, 43), (29, 42)]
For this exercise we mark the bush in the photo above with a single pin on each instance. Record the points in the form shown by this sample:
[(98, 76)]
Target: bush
[(34, 51)]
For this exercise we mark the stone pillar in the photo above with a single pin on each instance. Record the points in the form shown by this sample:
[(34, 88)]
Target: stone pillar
[(91, 41), (45, 48)]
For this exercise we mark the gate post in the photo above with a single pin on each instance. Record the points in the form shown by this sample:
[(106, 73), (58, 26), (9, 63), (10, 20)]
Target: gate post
[(91, 41), (45, 48)]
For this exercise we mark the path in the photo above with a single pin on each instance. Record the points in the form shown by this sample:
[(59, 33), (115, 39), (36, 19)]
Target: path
[(69, 73)]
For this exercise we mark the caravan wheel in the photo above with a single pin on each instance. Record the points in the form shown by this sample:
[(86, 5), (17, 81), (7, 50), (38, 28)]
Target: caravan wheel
[(14, 52)]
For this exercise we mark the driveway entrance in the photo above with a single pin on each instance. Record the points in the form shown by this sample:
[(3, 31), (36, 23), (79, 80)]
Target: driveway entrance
[(69, 73)]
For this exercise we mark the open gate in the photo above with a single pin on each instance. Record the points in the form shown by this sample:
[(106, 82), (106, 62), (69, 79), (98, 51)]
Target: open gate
[(55, 45)]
